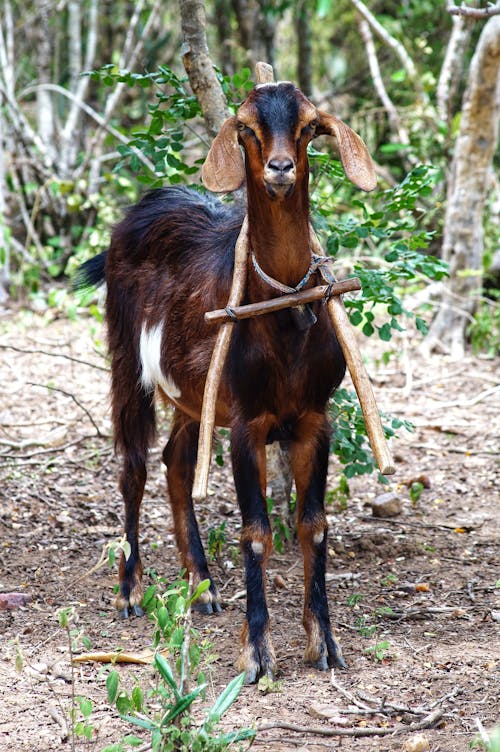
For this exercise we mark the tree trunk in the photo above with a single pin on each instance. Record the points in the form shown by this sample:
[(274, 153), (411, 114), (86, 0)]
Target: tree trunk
[(199, 66), (467, 191), (304, 46), (222, 22)]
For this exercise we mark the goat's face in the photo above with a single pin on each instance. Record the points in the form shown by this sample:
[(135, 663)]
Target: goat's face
[(274, 125)]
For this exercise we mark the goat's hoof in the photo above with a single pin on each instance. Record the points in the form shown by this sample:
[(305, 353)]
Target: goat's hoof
[(258, 661), (128, 611), (255, 673), (324, 654), (207, 608), (337, 661)]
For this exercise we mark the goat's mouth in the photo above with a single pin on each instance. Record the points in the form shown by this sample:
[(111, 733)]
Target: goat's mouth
[(279, 189)]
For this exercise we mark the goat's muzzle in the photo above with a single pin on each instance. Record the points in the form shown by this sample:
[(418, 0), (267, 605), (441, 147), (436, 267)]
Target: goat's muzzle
[(279, 177)]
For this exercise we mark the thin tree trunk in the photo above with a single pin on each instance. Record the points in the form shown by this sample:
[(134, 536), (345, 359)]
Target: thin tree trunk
[(467, 191), (45, 110), (199, 66), (304, 46), (222, 22)]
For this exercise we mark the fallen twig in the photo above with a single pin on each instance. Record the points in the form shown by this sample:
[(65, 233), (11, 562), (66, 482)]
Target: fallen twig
[(428, 721), (75, 400), (54, 355)]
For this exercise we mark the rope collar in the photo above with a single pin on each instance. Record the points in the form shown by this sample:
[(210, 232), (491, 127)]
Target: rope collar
[(302, 315), (317, 263)]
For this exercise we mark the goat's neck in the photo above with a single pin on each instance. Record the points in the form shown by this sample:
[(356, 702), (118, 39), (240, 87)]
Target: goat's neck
[(279, 236)]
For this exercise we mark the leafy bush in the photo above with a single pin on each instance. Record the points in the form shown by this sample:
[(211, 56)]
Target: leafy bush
[(165, 710)]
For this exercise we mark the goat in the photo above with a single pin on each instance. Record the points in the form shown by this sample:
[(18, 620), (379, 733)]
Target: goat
[(170, 260)]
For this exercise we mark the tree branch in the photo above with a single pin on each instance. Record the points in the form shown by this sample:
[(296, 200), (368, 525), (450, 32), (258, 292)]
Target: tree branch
[(465, 10), (395, 45), (392, 114)]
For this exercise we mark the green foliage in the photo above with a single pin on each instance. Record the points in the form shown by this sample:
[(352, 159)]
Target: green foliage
[(162, 142), (280, 529), (416, 490), (216, 541), (484, 329), (339, 496), (385, 225), (487, 741), (379, 650), (349, 441)]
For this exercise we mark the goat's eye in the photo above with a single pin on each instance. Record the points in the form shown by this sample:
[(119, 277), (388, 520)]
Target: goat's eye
[(309, 129), (242, 128)]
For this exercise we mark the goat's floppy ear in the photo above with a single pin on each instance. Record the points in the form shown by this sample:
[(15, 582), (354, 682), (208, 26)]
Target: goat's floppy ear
[(223, 169), (356, 160)]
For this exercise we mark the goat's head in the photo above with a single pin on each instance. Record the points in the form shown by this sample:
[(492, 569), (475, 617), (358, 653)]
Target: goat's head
[(274, 125)]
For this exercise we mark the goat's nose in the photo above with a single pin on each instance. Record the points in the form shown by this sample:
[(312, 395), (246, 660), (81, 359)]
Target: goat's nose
[(281, 166)]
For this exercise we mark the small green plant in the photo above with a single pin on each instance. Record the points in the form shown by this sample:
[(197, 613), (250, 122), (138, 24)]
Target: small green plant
[(416, 490), (338, 497), (165, 710), (484, 329), (216, 541), (389, 580), (281, 531), (379, 650), (354, 599), (81, 708)]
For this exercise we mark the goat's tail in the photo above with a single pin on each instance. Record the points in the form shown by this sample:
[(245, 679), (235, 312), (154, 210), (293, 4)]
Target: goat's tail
[(90, 274)]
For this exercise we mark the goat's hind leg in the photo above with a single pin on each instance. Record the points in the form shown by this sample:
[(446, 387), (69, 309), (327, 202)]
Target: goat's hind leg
[(179, 456), (310, 465), (134, 429)]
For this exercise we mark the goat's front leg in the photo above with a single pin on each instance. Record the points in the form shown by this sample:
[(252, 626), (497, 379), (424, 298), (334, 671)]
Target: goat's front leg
[(310, 452), (180, 458), (248, 456)]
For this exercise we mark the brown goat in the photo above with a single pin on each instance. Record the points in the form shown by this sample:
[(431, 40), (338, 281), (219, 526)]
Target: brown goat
[(170, 261)]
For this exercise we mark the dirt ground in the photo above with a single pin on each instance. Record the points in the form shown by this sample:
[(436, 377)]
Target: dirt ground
[(426, 580)]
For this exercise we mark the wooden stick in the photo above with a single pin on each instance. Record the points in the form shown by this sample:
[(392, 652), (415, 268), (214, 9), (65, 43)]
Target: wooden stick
[(263, 74), (360, 379), (207, 421), (284, 301)]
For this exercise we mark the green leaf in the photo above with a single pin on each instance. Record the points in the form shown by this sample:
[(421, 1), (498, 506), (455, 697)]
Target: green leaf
[(225, 699), (384, 332), (202, 588), (181, 705), (138, 697), (163, 667), (112, 682), (323, 7), (86, 707), (163, 617)]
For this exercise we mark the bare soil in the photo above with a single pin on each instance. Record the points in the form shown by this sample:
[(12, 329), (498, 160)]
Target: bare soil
[(426, 579)]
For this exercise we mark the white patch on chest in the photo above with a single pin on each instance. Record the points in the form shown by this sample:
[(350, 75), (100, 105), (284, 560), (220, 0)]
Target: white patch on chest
[(150, 354)]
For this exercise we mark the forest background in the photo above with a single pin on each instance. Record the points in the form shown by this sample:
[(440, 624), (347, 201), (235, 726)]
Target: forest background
[(418, 80), (100, 101)]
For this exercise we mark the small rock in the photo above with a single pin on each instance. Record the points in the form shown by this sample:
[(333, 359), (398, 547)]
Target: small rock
[(14, 600), (279, 582), (325, 712), (416, 743), (386, 505), (495, 615)]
